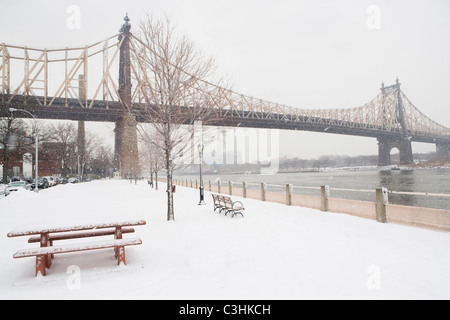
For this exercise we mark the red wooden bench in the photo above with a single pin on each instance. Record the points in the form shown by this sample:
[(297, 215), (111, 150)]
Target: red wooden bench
[(62, 231)]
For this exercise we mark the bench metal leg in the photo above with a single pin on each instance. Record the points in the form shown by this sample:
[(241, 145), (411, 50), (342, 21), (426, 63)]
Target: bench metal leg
[(117, 235), (46, 242), (40, 265), (121, 256)]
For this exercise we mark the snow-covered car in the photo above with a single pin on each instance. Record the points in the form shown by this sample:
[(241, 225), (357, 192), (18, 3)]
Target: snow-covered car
[(2, 189), (16, 185), (51, 181), (42, 184), (73, 180)]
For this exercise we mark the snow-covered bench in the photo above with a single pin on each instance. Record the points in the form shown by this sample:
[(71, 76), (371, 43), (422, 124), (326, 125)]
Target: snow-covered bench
[(43, 252), (64, 231), (225, 204), (216, 201)]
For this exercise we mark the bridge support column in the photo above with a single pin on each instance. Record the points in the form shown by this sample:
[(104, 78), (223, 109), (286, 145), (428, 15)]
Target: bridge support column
[(126, 146), (81, 130), (385, 146), (442, 151)]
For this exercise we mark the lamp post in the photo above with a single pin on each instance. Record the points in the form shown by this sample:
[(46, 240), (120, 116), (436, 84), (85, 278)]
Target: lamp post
[(36, 184), (78, 168), (200, 153)]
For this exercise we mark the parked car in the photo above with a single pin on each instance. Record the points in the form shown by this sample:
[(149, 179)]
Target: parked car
[(29, 180), (42, 184), (73, 180), (61, 180), (16, 185), (51, 181)]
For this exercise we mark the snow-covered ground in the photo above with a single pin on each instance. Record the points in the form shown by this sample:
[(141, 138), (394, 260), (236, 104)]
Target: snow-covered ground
[(274, 252)]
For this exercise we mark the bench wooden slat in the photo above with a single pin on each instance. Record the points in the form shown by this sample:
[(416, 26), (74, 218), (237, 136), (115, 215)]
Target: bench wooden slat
[(28, 230), (77, 235), (77, 247)]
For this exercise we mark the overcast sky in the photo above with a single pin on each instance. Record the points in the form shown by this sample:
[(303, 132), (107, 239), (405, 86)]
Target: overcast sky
[(307, 54)]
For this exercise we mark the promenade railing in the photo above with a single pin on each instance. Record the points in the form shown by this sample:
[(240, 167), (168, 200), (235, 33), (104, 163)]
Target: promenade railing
[(321, 198)]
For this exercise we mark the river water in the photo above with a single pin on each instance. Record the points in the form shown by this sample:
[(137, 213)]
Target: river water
[(415, 180)]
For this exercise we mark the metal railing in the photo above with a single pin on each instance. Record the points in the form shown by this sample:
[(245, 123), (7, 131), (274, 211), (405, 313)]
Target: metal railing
[(227, 187)]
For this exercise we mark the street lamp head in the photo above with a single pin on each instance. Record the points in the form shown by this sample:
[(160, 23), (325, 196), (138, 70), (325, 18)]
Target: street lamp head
[(12, 109)]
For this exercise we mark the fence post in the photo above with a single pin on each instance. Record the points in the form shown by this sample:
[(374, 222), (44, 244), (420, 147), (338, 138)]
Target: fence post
[(381, 202), (289, 194), (218, 186), (196, 184), (209, 184), (230, 188), (324, 195), (263, 191), (244, 189)]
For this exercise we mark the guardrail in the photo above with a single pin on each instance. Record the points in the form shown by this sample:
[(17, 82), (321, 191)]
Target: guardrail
[(380, 209)]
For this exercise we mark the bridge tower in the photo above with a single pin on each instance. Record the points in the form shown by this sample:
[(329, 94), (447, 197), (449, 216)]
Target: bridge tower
[(387, 143), (126, 147)]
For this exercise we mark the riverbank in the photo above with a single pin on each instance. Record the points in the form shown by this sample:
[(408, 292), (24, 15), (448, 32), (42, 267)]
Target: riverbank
[(274, 252), (412, 182), (430, 165)]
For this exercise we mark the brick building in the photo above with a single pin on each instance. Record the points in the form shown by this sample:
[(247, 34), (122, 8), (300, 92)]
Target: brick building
[(21, 161)]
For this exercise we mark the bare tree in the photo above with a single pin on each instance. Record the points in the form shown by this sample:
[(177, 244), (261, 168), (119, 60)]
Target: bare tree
[(65, 136), (91, 145), (151, 156), (174, 99), (15, 135), (102, 161)]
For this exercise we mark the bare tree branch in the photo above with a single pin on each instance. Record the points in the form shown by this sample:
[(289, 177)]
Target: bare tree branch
[(175, 98)]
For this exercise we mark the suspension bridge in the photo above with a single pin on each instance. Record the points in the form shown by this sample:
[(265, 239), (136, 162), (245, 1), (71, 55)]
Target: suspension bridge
[(80, 84)]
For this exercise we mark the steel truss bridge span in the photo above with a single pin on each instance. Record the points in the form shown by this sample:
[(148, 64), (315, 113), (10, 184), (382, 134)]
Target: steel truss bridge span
[(79, 84)]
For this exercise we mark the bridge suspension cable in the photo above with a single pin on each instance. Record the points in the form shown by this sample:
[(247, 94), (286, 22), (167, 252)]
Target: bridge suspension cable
[(50, 75)]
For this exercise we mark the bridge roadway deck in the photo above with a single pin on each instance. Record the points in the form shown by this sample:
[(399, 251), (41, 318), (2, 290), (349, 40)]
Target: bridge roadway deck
[(111, 111)]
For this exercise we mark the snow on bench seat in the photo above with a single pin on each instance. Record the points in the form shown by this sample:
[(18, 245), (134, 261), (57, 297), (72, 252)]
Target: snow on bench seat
[(75, 225), (77, 234), (77, 247)]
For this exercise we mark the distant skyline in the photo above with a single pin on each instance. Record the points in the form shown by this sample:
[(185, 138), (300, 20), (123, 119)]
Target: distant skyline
[(306, 54)]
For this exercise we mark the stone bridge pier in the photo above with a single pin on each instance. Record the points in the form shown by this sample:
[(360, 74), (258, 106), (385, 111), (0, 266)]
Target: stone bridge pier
[(126, 156), (126, 146), (385, 146)]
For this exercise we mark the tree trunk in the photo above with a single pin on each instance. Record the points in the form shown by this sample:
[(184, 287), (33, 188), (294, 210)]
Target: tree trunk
[(5, 166), (151, 178), (170, 209), (6, 152)]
